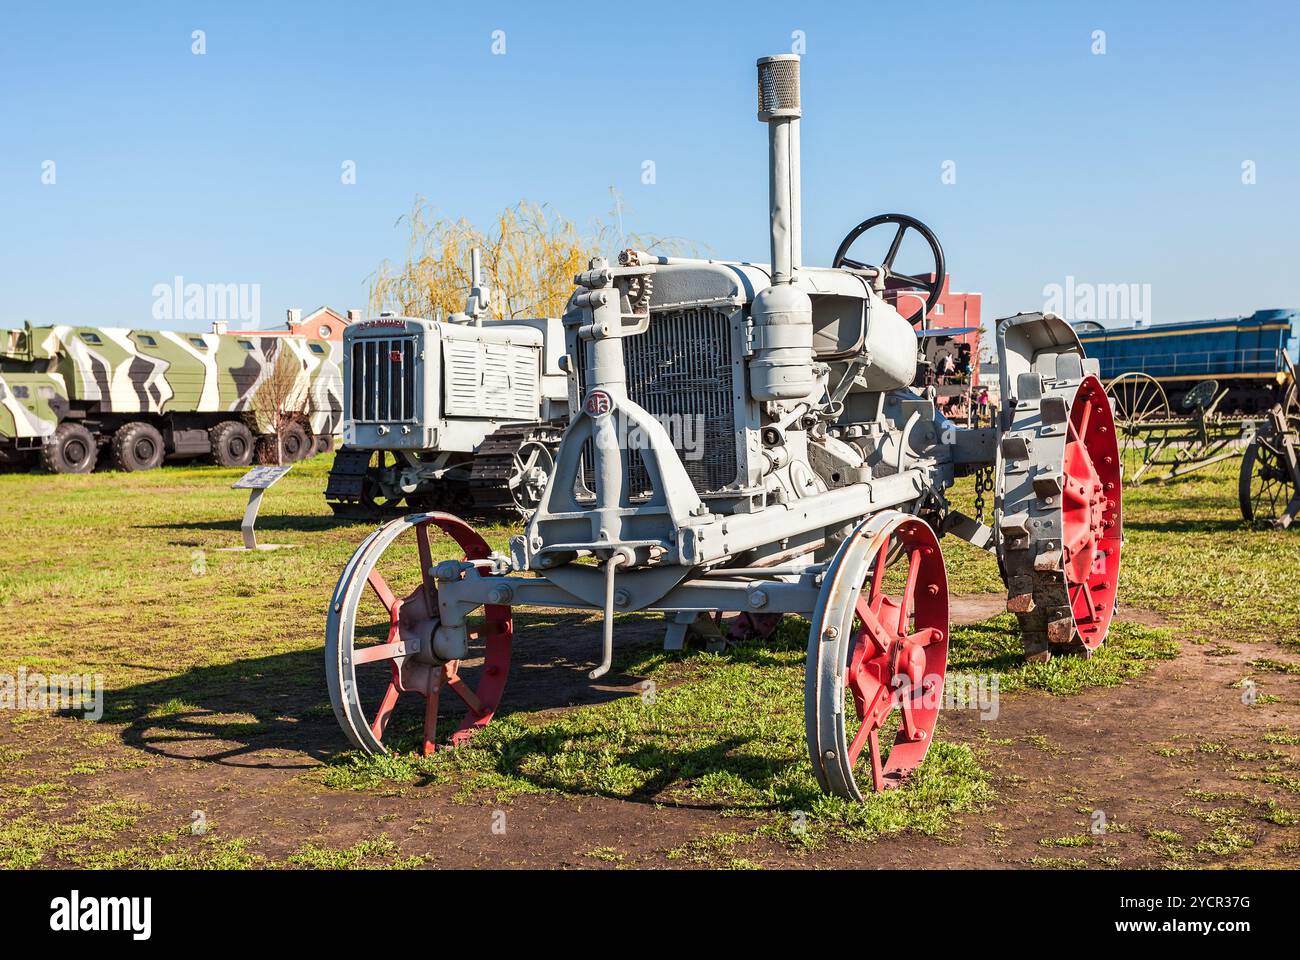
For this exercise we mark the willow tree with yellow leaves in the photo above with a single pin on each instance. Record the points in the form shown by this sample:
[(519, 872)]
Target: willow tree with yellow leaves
[(529, 255)]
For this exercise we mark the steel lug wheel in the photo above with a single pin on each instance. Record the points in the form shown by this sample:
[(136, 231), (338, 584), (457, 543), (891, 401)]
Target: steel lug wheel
[(380, 630), (877, 656)]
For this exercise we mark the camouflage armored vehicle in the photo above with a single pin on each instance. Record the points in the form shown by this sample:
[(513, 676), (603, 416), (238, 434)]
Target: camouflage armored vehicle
[(71, 394)]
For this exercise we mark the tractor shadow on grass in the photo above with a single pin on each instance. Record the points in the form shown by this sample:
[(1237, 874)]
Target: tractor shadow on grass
[(485, 523), (273, 712), (306, 523)]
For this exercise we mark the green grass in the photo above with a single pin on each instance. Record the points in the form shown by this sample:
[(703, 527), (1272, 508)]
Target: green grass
[(379, 852), (27, 839), (994, 647)]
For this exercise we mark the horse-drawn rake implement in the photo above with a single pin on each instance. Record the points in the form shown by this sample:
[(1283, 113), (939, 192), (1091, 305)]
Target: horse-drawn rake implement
[(1158, 444), (817, 487)]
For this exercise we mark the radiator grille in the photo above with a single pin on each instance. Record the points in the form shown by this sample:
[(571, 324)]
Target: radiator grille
[(383, 380), (680, 371)]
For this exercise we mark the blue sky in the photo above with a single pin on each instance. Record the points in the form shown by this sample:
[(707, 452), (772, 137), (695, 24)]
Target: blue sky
[(225, 168)]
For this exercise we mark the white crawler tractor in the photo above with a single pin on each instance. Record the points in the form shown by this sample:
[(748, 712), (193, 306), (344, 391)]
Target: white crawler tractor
[(816, 486), (457, 414)]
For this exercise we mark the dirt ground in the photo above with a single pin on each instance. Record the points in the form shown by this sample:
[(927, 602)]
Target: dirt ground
[(1180, 768)]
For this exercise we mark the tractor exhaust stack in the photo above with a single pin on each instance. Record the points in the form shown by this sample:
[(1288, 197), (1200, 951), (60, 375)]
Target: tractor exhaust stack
[(778, 107), (782, 368)]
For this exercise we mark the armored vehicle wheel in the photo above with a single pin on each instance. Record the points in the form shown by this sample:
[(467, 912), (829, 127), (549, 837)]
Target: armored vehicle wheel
[(137, 446), (877, 655), (1059, 517), (232, 444), (72, 449), (295, 444), (379, 636)]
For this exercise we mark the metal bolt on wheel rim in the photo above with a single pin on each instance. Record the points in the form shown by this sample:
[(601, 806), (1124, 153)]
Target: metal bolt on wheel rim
[(877, 656), (364, 598)]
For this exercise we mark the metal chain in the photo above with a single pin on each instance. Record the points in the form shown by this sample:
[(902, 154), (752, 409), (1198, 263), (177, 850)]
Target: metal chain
[(983, 485), (984, 474)]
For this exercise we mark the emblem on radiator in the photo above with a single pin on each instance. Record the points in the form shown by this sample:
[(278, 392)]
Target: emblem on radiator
[(598, 403)]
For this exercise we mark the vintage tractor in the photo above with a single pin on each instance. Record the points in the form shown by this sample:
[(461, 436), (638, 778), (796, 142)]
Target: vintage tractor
[(815, 484)]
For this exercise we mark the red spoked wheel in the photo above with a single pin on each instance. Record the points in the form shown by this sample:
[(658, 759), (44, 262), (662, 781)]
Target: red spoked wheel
[(383, 620), (1092, 537), (877, 655)]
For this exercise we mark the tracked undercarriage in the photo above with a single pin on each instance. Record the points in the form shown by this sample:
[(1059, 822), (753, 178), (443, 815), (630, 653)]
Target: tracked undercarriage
[(505, 476)]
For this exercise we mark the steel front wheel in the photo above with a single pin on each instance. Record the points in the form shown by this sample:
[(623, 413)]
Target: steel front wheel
[(379, 638), (1139, 401), (877, 656), (1264, 484)]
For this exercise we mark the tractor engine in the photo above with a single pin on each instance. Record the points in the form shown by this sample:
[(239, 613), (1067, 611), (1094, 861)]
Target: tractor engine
[(735, 413)]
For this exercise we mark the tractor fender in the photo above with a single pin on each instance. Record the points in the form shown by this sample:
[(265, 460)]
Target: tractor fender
[(1029, 346)]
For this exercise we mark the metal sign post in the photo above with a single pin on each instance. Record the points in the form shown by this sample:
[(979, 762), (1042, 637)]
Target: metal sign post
[(257, 481)]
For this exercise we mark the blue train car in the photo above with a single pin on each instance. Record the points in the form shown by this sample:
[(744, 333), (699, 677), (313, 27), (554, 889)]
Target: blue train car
[(1251, 356)]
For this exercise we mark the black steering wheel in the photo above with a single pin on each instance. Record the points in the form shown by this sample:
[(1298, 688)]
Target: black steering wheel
[(892, 279)]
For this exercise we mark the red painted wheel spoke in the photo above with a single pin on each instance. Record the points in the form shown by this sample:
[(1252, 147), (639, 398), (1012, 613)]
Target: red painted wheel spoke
[(905, 609), (877, 773), (382, 590), (1083, 421), (385, 710), (1089, 608), (859, 740), (926, 637), (872, 628), (871, 714), (462, 690)]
